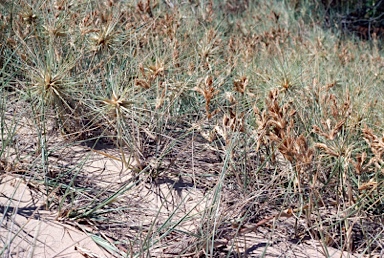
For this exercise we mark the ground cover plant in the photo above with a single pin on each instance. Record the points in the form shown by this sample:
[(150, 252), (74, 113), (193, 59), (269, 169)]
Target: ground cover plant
[(191, 128)]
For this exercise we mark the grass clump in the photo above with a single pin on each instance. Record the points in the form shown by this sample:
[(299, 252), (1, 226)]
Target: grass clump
[(194, 129)]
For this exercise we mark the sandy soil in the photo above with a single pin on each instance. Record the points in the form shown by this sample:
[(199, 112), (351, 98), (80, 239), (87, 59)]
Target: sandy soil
[(32, 231), (29, 229)]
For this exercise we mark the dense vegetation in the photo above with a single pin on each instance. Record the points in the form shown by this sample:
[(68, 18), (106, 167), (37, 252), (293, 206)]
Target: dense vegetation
[(259, 111)]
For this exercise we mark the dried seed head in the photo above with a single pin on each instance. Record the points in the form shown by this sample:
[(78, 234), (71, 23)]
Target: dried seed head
[(142, 83), (240, 84), (208, 81)]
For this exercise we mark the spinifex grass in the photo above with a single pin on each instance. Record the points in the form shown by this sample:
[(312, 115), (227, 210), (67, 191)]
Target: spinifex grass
[(115, 111), (250, 107)]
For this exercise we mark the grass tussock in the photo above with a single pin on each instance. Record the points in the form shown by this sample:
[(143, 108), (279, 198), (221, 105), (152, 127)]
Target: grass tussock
[(224, 120)]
